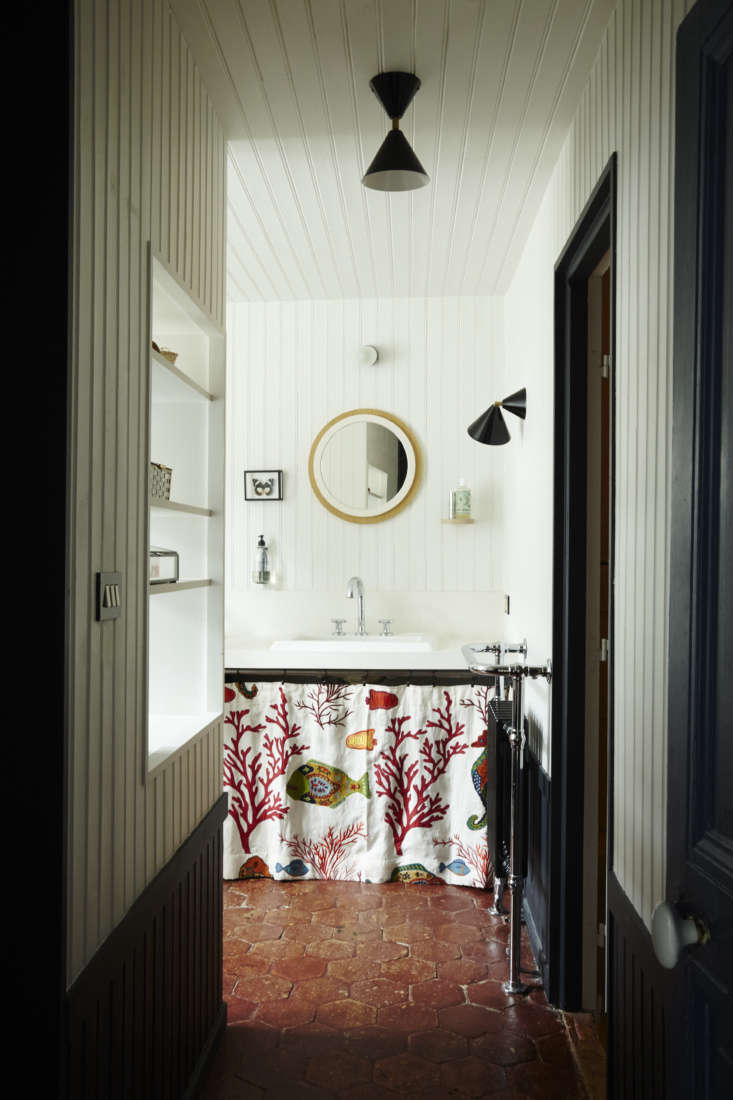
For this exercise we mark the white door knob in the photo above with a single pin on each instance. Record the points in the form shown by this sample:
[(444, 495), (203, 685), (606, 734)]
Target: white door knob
[(671, 932)]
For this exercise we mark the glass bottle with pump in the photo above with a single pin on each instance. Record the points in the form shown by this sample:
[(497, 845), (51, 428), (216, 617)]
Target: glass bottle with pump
[(261, 571)]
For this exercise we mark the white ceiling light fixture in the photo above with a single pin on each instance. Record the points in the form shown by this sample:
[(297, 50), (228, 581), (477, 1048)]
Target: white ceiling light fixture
[(395, 167)]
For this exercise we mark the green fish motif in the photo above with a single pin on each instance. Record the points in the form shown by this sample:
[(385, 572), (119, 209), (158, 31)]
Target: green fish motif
[(415, 874), (323, 785)]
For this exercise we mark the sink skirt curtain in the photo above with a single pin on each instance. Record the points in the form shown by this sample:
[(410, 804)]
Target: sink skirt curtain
[(359, 782)]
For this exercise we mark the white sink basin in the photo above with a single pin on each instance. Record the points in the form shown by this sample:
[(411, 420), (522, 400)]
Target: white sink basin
[(351, 643)]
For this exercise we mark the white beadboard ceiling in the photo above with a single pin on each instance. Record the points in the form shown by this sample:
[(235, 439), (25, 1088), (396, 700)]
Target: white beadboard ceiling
[(290, 83)]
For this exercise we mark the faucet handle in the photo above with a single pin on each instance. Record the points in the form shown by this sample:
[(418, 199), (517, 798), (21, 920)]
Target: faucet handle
[(339, 627), (386, 624)]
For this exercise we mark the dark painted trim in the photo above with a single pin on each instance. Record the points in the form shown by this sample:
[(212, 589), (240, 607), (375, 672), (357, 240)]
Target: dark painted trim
[(143, 1016), (36, 40), (593, 235)]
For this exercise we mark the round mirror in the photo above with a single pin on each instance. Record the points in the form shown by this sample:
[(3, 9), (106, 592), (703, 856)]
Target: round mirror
[(364, 465)]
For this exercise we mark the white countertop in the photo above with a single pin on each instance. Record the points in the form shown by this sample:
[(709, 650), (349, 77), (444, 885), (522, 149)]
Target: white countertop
[(257, 654)]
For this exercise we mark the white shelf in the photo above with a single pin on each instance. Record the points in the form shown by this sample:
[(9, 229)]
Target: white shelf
[(178, 586), (169, 732), (171, 384), (158, 503)]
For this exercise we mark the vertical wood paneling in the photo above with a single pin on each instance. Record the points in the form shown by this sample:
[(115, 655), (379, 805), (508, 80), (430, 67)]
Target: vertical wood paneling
[(148, 166), (292, 366), (627, 107)]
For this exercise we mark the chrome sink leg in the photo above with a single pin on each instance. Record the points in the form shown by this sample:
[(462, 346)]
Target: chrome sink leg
[(497, 909)]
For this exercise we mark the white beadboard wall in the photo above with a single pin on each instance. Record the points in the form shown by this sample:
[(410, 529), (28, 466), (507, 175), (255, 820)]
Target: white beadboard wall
[(628, 107), (148, 166), (292, 366)]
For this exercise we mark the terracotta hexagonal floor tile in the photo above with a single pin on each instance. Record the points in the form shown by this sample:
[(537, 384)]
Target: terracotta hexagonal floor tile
[(320, 990), (470, 1020), (487, 951), (337, 917), (278, 949), (239, 1009), (364, 901), (532, 1020), (555, 1049), (408, 970), (278, 1068), (307, 933), (263, 987), (490, 993), (354, 969), (330, 949), (300, 968), (375, 1042), (311, 1040), (379, 992), (346, 1014), (438, 993), (434, 950), (367, 1091), (504, 1048), (332, 1073), (472, 1077), (404, 1073), (407, 1018), (288, 1013), (286, 914), (408, 933), (259, 933), (462, 971), (453, 904), (544, 1083), (379, 951), (438, 1046), (458, 933), (357, 933)]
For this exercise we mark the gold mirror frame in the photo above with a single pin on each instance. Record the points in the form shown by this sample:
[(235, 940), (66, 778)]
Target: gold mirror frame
[(413, 459)]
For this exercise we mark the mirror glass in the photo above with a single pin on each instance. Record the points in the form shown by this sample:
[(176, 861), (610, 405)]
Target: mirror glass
[(364, 465)]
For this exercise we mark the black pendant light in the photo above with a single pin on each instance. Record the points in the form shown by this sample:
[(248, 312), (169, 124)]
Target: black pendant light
[(490, 427), (395, 167)]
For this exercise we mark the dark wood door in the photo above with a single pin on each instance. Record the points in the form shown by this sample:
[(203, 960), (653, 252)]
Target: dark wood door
[(700, 793)]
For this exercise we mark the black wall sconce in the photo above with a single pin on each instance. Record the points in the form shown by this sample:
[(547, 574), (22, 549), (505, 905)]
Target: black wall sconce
[(490, 427)]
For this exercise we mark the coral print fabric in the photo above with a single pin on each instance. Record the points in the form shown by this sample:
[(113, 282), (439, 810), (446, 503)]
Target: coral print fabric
[(360, 782)]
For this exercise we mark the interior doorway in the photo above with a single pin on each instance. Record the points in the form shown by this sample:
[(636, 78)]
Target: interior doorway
[(582, 691), (598, 553)]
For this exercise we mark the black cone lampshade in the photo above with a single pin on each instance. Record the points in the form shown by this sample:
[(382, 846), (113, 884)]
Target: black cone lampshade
[(395, 167), (490, 428)]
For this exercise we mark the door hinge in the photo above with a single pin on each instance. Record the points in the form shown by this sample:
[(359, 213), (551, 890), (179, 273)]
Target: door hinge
[(605, 366), (604, 649), (601, 935)]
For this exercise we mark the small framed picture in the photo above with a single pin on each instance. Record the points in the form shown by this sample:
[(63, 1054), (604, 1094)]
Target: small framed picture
[(263, 484)]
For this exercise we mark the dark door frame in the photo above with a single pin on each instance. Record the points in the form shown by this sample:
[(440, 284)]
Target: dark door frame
[(594, 235)]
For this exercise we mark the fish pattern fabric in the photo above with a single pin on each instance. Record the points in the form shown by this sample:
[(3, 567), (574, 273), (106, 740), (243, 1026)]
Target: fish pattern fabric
[(360, 782)]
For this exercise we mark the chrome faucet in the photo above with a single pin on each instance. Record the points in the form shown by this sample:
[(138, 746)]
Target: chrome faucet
[(355, 587)]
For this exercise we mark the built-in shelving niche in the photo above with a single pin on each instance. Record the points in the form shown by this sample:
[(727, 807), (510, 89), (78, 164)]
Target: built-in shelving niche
[(186, 433)]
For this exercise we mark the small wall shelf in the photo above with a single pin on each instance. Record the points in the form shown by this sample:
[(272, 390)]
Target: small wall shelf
[(171, 384), (459, 520), (178, 586), (176, 506)]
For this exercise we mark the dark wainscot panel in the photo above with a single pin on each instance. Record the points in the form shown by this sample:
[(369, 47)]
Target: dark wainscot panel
[(638, 1042), (144, 1014)]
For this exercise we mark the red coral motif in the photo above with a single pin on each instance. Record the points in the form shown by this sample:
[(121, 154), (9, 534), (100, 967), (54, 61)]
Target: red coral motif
[(406, 783), (327, 856), (476, 856), (328, 704), (252, 799)]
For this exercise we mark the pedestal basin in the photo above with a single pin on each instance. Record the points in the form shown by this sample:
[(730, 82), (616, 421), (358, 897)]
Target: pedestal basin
[(351, 643)]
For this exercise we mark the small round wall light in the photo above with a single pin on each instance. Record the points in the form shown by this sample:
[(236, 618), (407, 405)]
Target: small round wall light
[(368, 355)]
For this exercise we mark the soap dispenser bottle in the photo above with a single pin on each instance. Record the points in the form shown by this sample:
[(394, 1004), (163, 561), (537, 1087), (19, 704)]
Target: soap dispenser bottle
[(460, 502), (261, 571)]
